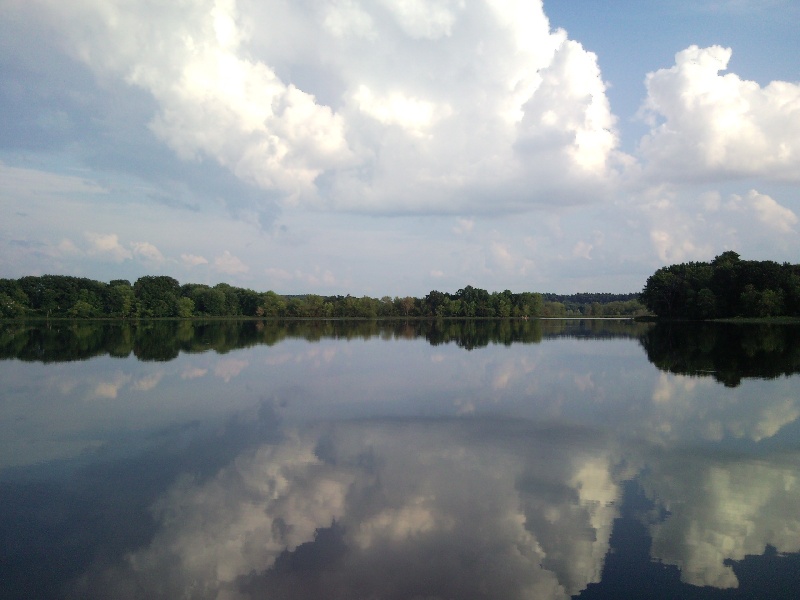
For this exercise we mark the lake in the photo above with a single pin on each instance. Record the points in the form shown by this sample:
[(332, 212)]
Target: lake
[(542, 459)]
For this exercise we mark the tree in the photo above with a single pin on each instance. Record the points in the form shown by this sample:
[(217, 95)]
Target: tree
[(433, 302), (13, 301), (662, 293), (10, 308), (405, 305), (121, 299), (157, 296), (726, 287), (272, 305), (185, 308)]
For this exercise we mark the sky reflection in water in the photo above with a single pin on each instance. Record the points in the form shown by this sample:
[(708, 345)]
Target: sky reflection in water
[(389, 467)]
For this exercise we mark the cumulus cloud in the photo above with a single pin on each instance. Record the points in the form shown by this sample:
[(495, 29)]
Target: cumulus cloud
[(493, 100), (147, 251), (766, 210), (193, 260), (67, 247), (501, 257), (697, 225), (712, 126), (463, 226), (107, 245), (449, 108), (582, 249), (230, 264), (676, 246)]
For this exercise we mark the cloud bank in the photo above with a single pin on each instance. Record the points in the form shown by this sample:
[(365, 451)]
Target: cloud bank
[(416, 108), (481, 132)]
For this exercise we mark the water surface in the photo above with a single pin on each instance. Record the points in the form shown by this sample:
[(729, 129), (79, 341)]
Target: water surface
[(504, 459)]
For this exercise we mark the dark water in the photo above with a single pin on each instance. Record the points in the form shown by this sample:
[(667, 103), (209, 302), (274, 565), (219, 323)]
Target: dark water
[(540, 459)]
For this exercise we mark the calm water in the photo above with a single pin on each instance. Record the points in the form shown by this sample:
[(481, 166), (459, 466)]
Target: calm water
[(541, 459)]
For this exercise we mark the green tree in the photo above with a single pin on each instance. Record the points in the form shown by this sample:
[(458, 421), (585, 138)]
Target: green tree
[(157, 296), (662, 293), (272, 305), (121, 299), (185, 308)]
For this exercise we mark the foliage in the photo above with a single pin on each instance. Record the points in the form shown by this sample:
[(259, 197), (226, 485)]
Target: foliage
[(724, 288), (57, 296)]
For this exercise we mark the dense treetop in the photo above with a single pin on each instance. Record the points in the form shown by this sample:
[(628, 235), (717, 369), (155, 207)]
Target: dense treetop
[(62, 296), (726, 287)]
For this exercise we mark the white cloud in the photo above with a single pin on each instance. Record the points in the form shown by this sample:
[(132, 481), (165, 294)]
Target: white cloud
[(571, 105), (463, 225), (147, 251), (478, 115), (712, 126), (582, 250), (316, 277), (697, 226), (35, 182), (494, 111), (674, 247), (66, 247), (412, 114), (348, 19), (501, 256), (275, 273), (430, 19), (230, 264), (766, 210), (107, 245), (193, 260)]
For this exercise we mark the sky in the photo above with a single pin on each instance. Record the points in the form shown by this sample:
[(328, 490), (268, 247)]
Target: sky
[(394, 147)]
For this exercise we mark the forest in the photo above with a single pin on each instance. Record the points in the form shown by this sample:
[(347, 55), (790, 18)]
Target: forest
[(727, 287), (159, 296)]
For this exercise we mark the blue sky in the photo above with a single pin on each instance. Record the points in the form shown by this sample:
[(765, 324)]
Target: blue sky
[(392, 148)]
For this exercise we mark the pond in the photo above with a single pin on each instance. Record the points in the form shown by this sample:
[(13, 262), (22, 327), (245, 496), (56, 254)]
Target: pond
[(541, 459)]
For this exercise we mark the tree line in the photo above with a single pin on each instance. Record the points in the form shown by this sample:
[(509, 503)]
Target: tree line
[(159, 296), (724, 288)]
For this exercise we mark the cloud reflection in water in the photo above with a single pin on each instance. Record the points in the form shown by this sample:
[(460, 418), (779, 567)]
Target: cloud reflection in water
[(439, 508)]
